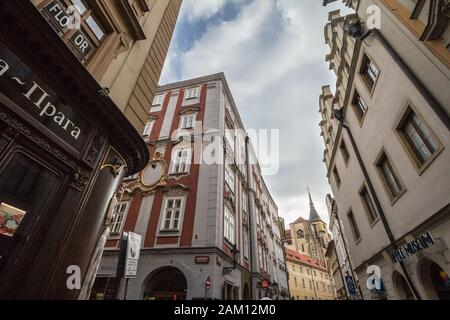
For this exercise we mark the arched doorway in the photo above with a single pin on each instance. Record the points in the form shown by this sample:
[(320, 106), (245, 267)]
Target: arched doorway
[(403, 290), (166, 284), (435, 280)]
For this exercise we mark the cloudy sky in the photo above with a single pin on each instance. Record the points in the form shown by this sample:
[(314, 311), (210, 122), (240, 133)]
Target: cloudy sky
[(273, 55)]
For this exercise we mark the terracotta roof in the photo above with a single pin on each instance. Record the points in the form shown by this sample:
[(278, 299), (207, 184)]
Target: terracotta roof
[(304, 259)]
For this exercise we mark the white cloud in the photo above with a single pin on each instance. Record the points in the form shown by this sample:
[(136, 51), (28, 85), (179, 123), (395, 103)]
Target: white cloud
[(198, 9), (273, 55)]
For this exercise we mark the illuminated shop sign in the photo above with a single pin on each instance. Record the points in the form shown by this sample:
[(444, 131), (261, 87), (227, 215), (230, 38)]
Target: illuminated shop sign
[(421, 243), (19, 84)]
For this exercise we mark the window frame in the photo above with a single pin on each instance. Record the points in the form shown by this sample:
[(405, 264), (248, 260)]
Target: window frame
[(148, 127), (228, 226), (124, 218), (175, 157), (158, 100), (355, 107), (172, 229), (188, 93), (67, 34), (383, 155), (342, 147), (364, 77), (337, 177), (230, 174), (351, 219), (372, 220), (406, 143), (192, 116)]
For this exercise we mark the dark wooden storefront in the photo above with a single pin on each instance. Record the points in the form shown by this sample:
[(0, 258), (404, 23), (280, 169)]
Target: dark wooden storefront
[(64, 148)]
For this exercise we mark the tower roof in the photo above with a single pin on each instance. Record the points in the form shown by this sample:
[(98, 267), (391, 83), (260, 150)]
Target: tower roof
[(313, 215)]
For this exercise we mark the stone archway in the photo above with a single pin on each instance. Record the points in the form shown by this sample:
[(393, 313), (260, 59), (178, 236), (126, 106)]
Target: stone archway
[(404, 292), (435, 280), (167, 283)]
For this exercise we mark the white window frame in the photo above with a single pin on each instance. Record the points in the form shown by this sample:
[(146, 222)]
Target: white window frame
[(148, 128), (229, 224), (244, 202), (245, 244), (183, 160), (191, 93), (123, 215), (158, 100), (229, 177), (172, 210), (187, 121), (230, 135)]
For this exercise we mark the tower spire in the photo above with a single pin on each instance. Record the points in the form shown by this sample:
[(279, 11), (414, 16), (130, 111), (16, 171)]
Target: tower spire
[(313, 215)]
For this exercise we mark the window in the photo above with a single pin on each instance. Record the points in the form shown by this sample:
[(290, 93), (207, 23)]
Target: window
[(389, 176), (181, 159), (172, 214), (187, 121), (353, 225), (337, 178), (293, 268), (82, 41), (369, 72), (246, 245), (295, 280), (307, 271), (344, 151), (310, 283), (301, 269), (229, 178), (191, 93), (119, 218), (420, 140), (229, 224), (368, 205), (244, 202), (229, 134), (148, 128), (158, 100), (359, 106), (303, 283)]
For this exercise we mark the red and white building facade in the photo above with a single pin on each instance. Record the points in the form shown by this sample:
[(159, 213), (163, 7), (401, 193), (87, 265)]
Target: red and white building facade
[(207, 220)]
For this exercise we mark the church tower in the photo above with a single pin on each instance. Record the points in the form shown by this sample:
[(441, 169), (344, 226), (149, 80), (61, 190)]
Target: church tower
[(309, 237)]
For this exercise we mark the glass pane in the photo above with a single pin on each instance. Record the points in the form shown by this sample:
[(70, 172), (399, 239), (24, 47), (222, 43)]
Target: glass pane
[(80, 5), (95, 27)]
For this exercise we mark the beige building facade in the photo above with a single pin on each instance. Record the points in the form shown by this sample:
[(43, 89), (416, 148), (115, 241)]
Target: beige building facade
[(386, 136), (308, 279)]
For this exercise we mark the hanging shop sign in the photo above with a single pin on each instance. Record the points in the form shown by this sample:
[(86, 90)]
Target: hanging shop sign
[(421, 243), (132, 256), (30, 93), (351, 285)]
